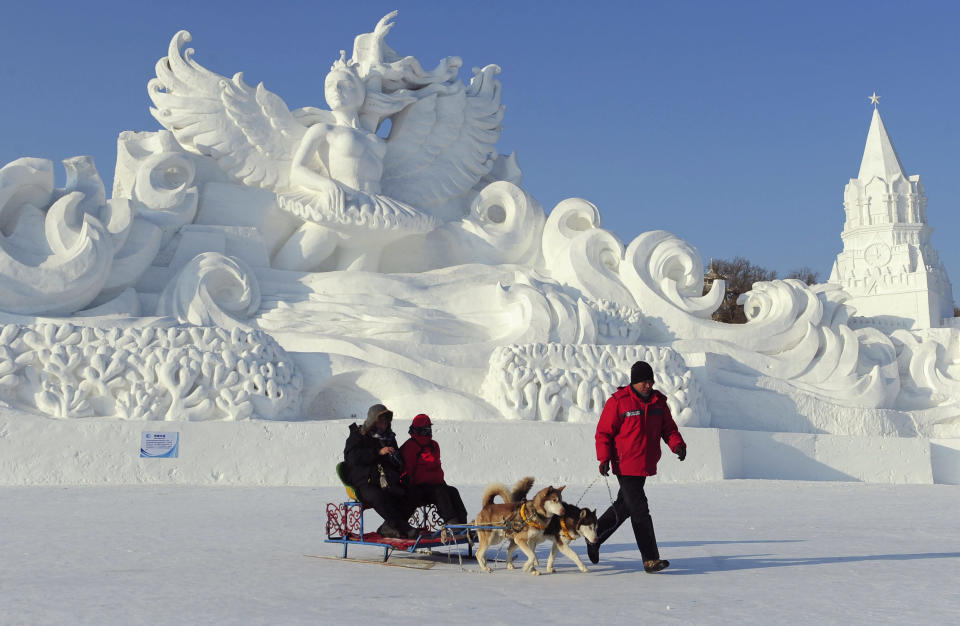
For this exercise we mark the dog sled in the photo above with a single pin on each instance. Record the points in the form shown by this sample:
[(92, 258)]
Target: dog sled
[(345, 527)]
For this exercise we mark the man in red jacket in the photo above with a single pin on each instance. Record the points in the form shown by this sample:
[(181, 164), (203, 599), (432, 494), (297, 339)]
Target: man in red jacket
[(631, 425)]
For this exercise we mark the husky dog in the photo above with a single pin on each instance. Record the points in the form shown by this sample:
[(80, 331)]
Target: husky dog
[(523, 521), (563, 530)]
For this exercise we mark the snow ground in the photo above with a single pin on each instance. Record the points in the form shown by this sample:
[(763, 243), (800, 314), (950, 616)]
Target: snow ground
[(741, 551)]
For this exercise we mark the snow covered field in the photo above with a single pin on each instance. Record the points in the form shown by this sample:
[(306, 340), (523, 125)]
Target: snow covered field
[(741, 552)]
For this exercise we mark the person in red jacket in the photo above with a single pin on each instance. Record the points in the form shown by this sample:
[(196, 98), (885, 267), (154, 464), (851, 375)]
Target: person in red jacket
[(634, 420), (424, 474)]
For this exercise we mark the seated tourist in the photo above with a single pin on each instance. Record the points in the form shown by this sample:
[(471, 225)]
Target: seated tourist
[(372, 465), (424, 475)]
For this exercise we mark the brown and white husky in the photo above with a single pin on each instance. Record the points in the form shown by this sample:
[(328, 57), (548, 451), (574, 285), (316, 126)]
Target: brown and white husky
[(563, 530), (521, 521)]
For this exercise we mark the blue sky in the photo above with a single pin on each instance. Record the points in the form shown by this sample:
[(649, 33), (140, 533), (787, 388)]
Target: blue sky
[(734, 125)]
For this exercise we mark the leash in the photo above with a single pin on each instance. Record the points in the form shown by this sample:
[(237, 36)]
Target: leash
[(589, 487), (606, 479)]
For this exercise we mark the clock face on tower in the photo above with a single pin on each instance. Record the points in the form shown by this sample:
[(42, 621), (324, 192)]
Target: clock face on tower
[(877, 254)]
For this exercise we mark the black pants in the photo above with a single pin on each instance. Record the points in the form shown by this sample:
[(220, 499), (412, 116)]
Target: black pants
[(445, 497), (631, 502), (387, 505)]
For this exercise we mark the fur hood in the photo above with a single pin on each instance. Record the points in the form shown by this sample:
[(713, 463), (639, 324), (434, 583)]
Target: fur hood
[(373, 413)]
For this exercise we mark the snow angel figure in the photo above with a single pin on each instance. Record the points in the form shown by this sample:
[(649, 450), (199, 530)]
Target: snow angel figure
[(354, 191), (339, 164)]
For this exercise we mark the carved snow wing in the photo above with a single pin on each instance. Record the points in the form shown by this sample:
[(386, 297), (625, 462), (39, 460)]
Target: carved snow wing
[(249, 131)]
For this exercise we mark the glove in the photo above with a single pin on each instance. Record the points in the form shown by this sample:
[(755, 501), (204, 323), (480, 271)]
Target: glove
[(682, 452), (605, 468)]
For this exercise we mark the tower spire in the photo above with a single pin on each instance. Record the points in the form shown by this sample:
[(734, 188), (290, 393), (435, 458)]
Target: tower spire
[(879, 157)]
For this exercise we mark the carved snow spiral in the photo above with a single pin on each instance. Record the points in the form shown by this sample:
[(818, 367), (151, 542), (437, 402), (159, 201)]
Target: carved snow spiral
[(579, 253), (659, 264), (211, 290), (163, 181), (504, 225)]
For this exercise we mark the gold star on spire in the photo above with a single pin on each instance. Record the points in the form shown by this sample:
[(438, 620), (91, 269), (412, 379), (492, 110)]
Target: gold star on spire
[(874, 99)]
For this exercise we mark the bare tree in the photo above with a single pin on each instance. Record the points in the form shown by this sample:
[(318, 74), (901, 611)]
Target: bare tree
[(739, 274), (806, 274)]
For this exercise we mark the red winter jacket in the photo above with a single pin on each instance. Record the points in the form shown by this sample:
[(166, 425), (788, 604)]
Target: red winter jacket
[(421, 460), (630, 429)]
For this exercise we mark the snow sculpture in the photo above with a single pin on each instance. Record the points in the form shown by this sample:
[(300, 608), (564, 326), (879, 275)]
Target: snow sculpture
[(547, 381), (887, 263), (257, 262), (330, 168), (209, 289), (155, 372), (62, 248)]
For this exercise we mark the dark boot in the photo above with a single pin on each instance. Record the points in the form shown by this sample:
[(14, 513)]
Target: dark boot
[(388, 531), (655, 565), (593, 552), (406, 531)]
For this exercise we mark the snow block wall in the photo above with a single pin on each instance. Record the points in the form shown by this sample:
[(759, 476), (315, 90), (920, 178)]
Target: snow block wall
[(45, 451)]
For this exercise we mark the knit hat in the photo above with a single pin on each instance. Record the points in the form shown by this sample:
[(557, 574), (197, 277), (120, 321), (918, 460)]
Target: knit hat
[(375, 412), (421, 420), (641, 371)]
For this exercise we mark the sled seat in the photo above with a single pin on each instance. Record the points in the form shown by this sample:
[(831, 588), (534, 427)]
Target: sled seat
[(351, 491), (345, 519)]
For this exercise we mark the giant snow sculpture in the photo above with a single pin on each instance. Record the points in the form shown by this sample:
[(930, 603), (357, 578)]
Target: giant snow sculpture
[(257, 262)]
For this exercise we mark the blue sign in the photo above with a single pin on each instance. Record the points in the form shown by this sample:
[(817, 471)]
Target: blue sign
[(159, 445)]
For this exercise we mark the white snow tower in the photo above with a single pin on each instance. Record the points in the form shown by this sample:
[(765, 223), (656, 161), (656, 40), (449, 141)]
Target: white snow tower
[(887, 265)]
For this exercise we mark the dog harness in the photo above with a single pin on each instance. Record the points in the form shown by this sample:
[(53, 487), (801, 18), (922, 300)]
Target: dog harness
[(529, 521), (563, 526)]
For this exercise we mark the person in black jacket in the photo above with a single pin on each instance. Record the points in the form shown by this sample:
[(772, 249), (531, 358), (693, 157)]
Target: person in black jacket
[(373, 467)]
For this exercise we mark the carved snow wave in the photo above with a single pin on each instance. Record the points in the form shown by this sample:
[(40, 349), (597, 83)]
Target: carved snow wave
[(659, 272), (504, 225), (566, 382), (800, 334), (795, 333), (55, 247), (162, 187), (211, 290), (583, 255), (62, 250), (153, 373)]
